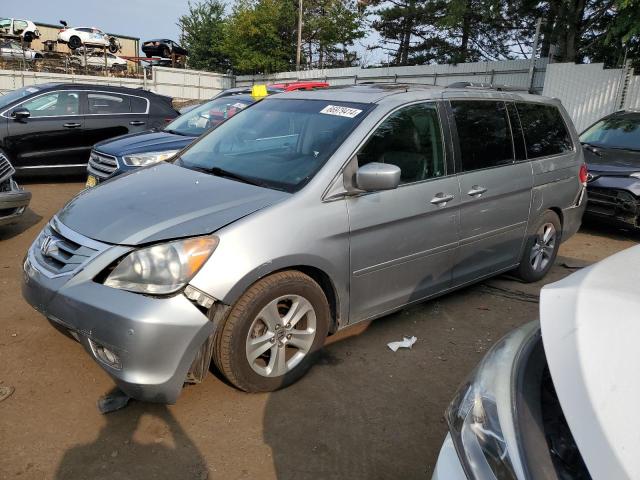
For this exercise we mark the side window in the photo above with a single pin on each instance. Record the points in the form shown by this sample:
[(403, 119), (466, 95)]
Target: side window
[(483, 133), (54, 104), (106, 103), (138, 105), (19, 26), (516, 130), (410, 138), (545, 132)]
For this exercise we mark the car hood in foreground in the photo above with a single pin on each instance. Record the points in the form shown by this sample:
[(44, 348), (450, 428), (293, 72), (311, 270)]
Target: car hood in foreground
[(590, 330), (612, 161), (143, 142), (162, 202)]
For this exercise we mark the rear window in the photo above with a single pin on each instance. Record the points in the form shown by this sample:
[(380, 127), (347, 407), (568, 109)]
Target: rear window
[(545, 132)]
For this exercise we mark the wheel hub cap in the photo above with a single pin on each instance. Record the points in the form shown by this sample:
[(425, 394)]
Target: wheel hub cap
[(543, 247)]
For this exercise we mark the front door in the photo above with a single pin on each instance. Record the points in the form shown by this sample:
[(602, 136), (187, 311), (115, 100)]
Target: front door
[(495, 190), (52, 136), (110, 115), (403, 240)]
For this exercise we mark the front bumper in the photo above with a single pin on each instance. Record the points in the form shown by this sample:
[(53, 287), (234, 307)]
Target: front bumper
[(13, 203), (615, 200), (448, 466), (156, 339)]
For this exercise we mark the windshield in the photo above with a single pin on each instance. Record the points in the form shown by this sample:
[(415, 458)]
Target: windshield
[(620, 131), (17, 95), (209, 115), (277, 143)]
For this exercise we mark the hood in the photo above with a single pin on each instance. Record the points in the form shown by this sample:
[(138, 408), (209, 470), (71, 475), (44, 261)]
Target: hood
[(590, 330), (143, 142), (612, 161), (162, 202)]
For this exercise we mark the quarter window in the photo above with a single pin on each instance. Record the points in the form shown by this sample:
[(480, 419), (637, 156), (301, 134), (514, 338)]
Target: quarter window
[(101, 103), (53, 105), (483, 133), (411, 139), (544, 129), (138, 105)]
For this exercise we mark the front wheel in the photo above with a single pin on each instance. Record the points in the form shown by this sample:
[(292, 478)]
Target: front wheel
[(75, 42), (274, 333), (541, 249)]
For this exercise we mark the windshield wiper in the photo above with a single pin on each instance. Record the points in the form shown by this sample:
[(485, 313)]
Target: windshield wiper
[(221, 172), (175, 132), (591, 148)]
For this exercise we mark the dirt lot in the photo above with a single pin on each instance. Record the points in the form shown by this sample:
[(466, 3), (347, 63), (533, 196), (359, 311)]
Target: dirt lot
[(362, 413)]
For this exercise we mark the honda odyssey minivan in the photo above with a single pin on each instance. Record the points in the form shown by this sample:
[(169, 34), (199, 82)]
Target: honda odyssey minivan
[(299, 216)]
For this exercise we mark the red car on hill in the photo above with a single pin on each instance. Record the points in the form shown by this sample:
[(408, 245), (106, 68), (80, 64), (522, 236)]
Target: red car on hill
[(289, 87)]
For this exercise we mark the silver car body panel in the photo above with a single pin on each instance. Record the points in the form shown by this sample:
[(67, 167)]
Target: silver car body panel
[(375, 252)]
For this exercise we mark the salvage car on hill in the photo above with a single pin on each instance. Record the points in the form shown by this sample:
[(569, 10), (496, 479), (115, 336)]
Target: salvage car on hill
[(163, 48), (612, 152), (51, 127), (77, 37), (551, 400), (24, 29), (13, 199), (12, 50), (276, 228)]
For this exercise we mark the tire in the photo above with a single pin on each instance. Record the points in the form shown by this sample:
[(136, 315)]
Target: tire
[(74, 42), (28, 37), (166, 53), (280, 294), (113, 48), (540, 249)]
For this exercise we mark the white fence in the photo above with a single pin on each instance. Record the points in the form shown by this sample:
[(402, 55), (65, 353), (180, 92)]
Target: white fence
[(182, 84), (589, 92), (509, 72)]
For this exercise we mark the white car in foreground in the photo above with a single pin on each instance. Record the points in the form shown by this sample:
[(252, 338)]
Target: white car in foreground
[(87, 36), (557, 399)]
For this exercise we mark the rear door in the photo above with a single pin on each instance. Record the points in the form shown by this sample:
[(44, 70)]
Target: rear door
[(53, 135), (113, 114), (495, 189)]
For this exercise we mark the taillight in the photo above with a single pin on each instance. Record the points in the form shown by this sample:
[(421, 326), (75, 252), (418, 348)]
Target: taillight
[(584, 174)]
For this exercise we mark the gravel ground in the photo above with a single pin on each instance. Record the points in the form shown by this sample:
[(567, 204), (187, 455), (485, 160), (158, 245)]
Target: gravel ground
[(363, 413)]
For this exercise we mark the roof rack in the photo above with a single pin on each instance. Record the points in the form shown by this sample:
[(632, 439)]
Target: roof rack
[(488, 86)]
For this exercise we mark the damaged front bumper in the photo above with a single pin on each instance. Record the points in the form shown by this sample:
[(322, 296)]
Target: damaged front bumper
[(146, 344), (13, 201), (615, 200)]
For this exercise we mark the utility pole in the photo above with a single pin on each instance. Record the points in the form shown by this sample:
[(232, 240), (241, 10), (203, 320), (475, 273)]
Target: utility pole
[(299, 52), (532, 65)]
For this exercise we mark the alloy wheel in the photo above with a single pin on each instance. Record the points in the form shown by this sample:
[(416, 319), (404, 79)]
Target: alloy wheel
[(543, 247)]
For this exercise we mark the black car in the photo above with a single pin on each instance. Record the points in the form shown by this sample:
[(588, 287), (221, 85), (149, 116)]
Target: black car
[(113, 157), (163, 47), (52, 127), (612, 152)]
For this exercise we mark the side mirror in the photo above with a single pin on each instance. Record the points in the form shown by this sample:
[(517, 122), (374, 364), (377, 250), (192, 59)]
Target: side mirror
[(377, 176), (20, 114)]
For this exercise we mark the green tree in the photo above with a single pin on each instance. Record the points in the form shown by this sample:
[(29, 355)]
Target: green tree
[(203, 30)]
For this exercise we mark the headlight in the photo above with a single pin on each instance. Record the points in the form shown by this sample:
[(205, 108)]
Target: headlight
[(635, 175), (163, 268), (481, 416), (144, 159)]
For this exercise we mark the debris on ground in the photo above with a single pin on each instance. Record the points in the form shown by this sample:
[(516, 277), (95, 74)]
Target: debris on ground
[(114, 400), (5, 392), (407, 342)]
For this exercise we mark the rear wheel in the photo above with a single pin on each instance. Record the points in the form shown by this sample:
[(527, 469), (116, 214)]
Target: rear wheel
[(28, 37), (75, 42), (541, 249), (113, 48), (274, 333), (166, 53)]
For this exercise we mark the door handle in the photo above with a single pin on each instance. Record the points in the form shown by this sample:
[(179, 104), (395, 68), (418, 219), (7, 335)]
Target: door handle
[(441, 199), (476, 191), (136, 122), (72, 125)]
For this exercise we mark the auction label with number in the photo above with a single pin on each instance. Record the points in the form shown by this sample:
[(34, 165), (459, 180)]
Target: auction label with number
[(340, 111)]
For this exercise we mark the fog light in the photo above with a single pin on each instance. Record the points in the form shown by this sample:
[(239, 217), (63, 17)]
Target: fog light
[(199, 297), (105, 355)]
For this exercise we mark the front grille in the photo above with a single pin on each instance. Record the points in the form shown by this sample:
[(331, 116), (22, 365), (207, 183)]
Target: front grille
[(6, 169), (101, 165), (59, 254)]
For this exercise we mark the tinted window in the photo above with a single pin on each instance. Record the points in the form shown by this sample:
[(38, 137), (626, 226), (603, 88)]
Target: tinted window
[(516, 130), (104, 103), (53, 104), (483, 133), (411, 139), (545, 132), (618, 131), (138, 105)]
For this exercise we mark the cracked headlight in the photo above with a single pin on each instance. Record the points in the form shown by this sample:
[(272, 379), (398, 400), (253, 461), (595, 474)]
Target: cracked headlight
[(144, 159), (163, 268)]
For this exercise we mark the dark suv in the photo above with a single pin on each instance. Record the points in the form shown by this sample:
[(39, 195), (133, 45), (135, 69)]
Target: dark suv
[(52, 127)]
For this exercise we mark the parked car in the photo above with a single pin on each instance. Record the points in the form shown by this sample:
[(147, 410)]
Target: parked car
[(13, 199), (96, 59), (77, 37), (551, 400), (122, 154), (163, 48), (12, 50), (612, 151), (282, 225), (25, 29), (293, 86), (52, 127)]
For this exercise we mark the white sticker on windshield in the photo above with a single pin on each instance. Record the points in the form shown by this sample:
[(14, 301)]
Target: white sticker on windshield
[(340, 111), (32, 90), (239, 105)]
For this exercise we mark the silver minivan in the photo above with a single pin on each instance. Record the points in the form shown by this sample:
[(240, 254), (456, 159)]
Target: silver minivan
[(302, 215)]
